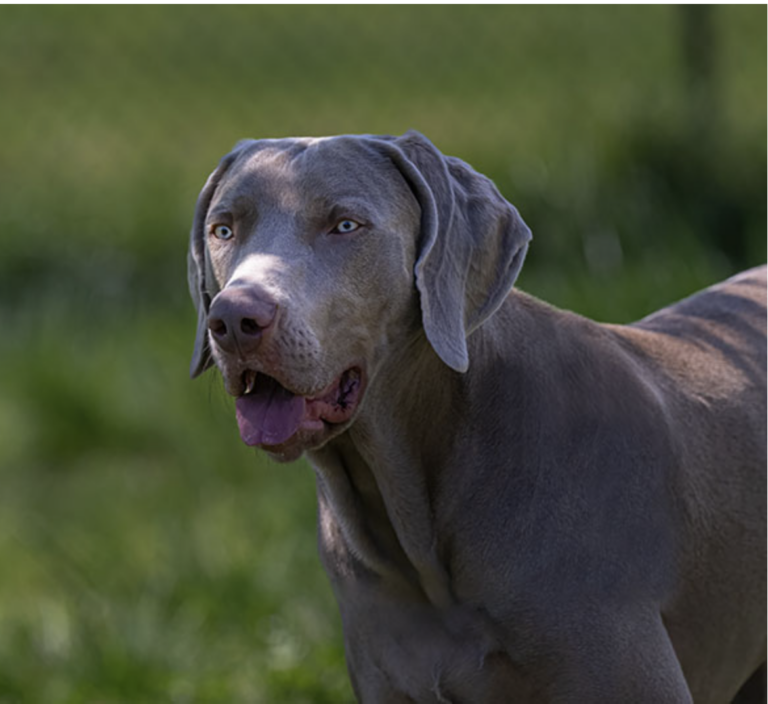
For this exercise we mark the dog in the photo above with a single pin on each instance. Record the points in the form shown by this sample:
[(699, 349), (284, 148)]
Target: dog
[(516, 503)]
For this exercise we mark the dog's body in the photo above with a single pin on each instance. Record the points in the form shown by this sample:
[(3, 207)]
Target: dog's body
[(516, 504)]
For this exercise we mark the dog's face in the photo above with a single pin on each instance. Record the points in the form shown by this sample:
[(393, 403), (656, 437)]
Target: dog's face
[(309, 251), (312, 258)]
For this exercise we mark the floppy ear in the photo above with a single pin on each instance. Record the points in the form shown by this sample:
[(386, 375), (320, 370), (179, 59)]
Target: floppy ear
[(201, 355), (471, 249)]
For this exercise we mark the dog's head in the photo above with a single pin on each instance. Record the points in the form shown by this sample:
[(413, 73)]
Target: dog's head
[(311, 258)]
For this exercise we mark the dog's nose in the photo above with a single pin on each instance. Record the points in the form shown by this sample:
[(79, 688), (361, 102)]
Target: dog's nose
[(239, 318)]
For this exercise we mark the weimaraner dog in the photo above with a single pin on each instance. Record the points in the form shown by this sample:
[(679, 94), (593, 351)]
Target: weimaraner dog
[(516, 504)]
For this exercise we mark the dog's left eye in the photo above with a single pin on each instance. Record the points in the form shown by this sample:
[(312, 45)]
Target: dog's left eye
[(344, 227)]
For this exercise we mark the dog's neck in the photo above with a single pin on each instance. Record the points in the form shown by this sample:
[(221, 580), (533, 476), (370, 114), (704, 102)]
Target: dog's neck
[(376, 480), (387, 488)]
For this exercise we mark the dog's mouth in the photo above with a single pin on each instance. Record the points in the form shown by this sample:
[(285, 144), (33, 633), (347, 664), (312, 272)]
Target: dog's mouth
[(268, 414)]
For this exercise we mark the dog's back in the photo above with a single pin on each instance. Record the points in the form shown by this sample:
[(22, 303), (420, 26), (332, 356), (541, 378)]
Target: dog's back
[(727, 320)]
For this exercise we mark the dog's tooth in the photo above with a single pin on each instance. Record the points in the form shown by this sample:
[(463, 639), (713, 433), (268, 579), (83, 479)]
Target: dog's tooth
[(250, 381)]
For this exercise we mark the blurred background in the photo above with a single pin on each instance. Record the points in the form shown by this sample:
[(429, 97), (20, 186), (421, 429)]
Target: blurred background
[(146, 555)]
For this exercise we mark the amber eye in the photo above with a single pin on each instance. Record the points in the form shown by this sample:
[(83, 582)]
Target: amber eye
[(345, 227), (223, 232)]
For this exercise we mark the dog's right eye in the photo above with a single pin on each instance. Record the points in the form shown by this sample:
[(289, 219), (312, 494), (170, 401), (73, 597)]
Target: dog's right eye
[(222, 232)]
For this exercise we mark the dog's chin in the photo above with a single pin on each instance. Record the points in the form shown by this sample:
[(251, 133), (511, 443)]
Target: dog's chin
[(305, 440)]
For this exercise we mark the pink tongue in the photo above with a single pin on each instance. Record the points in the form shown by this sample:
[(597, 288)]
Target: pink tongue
[(270, 414)]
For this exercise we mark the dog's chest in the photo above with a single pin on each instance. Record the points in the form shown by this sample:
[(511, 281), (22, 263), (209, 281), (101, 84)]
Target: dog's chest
[(398, 650)]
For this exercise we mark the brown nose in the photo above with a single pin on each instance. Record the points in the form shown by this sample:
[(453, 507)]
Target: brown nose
[(240, 317)]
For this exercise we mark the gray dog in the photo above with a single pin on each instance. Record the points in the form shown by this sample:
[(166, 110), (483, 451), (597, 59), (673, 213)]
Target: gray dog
[(516, 504)]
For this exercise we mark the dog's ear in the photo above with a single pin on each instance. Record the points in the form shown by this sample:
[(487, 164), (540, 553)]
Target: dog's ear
[(196, 264), (471, 248)]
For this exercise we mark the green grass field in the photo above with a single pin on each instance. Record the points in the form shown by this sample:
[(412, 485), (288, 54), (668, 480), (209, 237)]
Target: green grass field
[(146, 555)]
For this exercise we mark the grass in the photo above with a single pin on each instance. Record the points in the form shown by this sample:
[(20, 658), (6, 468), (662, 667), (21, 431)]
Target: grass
[(145, 554), (143, 566)]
